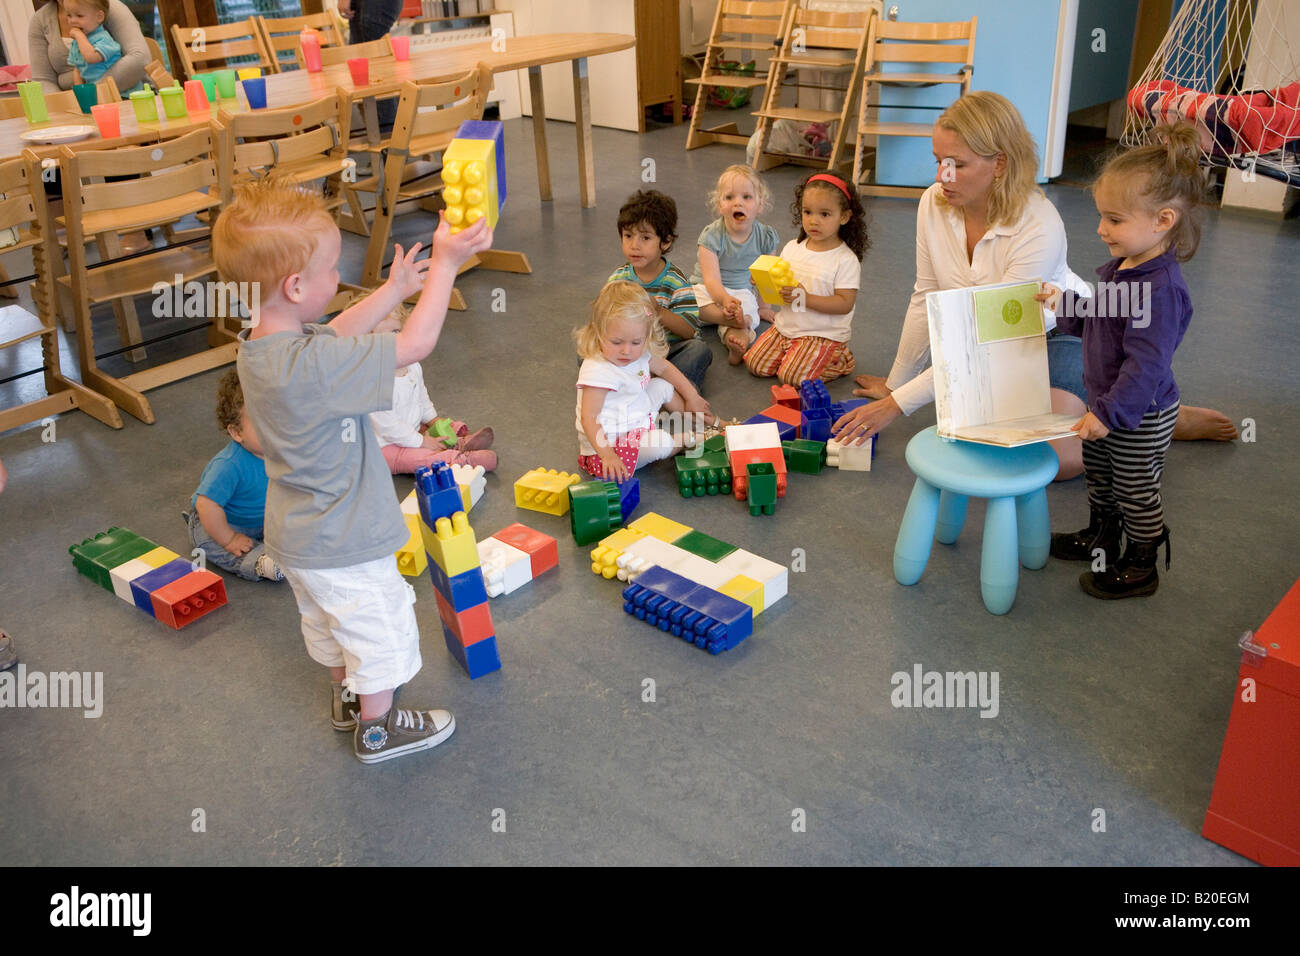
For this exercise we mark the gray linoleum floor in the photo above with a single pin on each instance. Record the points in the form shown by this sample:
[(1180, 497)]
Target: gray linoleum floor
[(1120, 707)]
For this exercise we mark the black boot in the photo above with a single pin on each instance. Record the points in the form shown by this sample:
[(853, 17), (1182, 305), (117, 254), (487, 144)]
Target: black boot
[(1104, 531), (1134, 575)]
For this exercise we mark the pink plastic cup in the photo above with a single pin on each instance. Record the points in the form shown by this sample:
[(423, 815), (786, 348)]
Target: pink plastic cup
[(401, 47), (310, 43), (360, 70), (108, 119), (196, 99)]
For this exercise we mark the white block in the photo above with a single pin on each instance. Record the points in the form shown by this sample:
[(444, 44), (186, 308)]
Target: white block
[(748, 437), (473, 477), (124, 574), (774, 577), (649, 552), (850, 457), (410, 505), (505, 567)]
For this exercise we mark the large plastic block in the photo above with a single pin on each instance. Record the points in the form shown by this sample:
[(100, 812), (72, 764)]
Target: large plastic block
[(638, 558), (604, 557), (657, 526), (840, 409), (542, 549), (545, 490), (802, 455), (761, 490), (709, 548), (477, 659), (814, 394), (786, 416), (745, 589), (593, 510), (452, 545), (124, 574), (142, 588), (492, 130), (437, 493), (96, 557), (470, 625), (850, 457), (747, 437), (158, 557), (715, 443), (770, 274), (707, 474), (735, 617), (188, 598), (472, 483), (708, 619), (505, 569), (411, 559), (774, 577), (786, 395), (463, 590), (817, 424), (784, 430), (469, 183), (740, 477), (629, 496)]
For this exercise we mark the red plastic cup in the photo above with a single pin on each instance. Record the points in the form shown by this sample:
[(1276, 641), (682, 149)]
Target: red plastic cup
[(401, 47), (360, 70), (196, 99), (108, 119), (310, 43)]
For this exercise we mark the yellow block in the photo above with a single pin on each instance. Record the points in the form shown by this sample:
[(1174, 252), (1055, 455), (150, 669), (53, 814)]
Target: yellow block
[(158, 557), (657, 526), (464, 497), (770, 273), (451, 544), (469, 177), (545, 491), (604, 557), (747, 590), (411, 559)]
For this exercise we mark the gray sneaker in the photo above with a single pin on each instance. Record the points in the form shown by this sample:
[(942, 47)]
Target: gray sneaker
[(344, 708), (8, 656), (400, 732)]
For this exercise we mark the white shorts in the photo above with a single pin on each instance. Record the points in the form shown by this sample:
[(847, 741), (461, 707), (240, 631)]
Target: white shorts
[(361, 618), (748, 304)]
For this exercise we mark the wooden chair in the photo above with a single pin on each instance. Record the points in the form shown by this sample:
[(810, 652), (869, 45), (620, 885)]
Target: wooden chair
[(737, 25), (908, 44), (821, 41), (157, 68), (24, 210), (242, 38), (280, 34), (300, 144), (177, 178), (64, 101), (428, 115), (380, 49)]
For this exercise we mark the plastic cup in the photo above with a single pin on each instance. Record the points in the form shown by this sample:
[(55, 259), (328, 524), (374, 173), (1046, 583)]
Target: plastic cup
[(310, 44), (146, 108), (108, 119), (360, 70), (249, 73), (255, 91), (226, 84), (33, 98), (86, 95), (173, 100), (196, 100), (209, 81), (401, 47)]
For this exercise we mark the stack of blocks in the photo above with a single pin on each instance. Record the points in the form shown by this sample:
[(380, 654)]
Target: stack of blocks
[(598, 507), (723, 584), (707, 472), (514, 556), (411, 556), (473, 174), (157, 581), (453, 561), (749, 446)]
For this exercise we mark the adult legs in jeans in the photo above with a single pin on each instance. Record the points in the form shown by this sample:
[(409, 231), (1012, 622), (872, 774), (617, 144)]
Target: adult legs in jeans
[(373, 19), (692, 358)]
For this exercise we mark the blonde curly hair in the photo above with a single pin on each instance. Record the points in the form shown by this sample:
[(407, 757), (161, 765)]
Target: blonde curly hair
[(626, 301)]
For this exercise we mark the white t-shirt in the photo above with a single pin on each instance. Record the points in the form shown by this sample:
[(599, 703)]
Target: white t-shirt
[(629, 404), (411, 408), (1029, 250), (821, 273)]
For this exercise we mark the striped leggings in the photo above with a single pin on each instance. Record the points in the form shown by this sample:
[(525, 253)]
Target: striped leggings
[(793, 360), (1124, 469)]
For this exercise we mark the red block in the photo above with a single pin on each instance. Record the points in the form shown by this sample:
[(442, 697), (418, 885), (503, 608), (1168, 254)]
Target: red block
[(740, 479), (471, 625), (540, 548), (786, 395), (1255, 806), (188, 598), (781, 413)]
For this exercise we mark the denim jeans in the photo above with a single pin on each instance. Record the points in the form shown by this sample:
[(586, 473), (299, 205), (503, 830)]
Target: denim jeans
[(1065, 363), (692, 358), (245, 566), (373, 19)]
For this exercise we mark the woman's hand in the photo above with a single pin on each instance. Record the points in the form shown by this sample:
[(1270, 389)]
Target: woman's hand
[(865, 421), (1090, 428)]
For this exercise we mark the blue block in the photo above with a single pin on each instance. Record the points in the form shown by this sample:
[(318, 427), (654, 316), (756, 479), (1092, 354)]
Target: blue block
[(146, 584), (437, 493), (735, 619), (495, 131), (840, 409), (463, 591), (786, 430), (629, 496), (813, 394), (478, 659), (817, 424), (709, 620)]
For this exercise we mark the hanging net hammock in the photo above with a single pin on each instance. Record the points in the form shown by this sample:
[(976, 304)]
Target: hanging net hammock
[(1227, 67)]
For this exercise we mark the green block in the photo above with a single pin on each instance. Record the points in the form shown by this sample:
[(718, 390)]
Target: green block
[(594, 510), (708, 474), (442, 428), (697, 542), (804, 456), (97, 557), (762, 487), (716, 443)]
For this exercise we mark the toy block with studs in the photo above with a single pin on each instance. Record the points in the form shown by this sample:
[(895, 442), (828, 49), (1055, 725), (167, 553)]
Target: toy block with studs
[(785, 430), (411, 559), (470, 625), (706, 474), (505, 568), (158, 557), (142, 588), (740, 476), (542, 550), (657, 526), (786, 395), (814, 394), (492, 130), (770, 274), (124, 574), (817, 424), (604, 557), (188, 598), (629, 496), (710, 548), (745, 589), (804, 456), (748, 437), (594, 510), (478, 658), (708, 619), (463, 590), (790, 417), (452, 545), (469, 178), (472, 483), (437, 493), (773, 577), (545, 490), (850, 457), (96, 557), (761, 490)]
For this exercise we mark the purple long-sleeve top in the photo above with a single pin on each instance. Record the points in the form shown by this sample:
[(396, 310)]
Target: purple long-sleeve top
[(1130, 330)]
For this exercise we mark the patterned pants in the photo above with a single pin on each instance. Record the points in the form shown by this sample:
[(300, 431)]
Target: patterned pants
[(1124, 469), (635, 449), (793, 360)]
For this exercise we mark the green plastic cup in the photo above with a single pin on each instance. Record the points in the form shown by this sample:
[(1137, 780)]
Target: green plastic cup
[(33, 98), (173, 99), (87, 96), (145, 106), (209, 81), (226, 84)]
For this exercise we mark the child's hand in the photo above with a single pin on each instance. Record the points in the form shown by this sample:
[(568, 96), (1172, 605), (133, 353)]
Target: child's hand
[(614, 467), (791, 292), (240, 545), (698, 406), (405, 274), (455, 249), (76, 33), (1050, 296), (1090, 428)]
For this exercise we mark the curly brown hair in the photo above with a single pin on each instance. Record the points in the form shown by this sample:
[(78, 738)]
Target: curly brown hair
[(854, 232), (230, 401)]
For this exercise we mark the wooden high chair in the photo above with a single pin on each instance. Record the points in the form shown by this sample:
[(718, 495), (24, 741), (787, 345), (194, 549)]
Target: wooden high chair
[(200, 46), (280, 35)]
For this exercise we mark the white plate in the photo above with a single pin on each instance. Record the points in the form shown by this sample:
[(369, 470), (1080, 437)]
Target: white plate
[(57, 134)]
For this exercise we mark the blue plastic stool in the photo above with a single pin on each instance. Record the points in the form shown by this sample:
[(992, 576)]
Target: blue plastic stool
[(1016, 531)]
